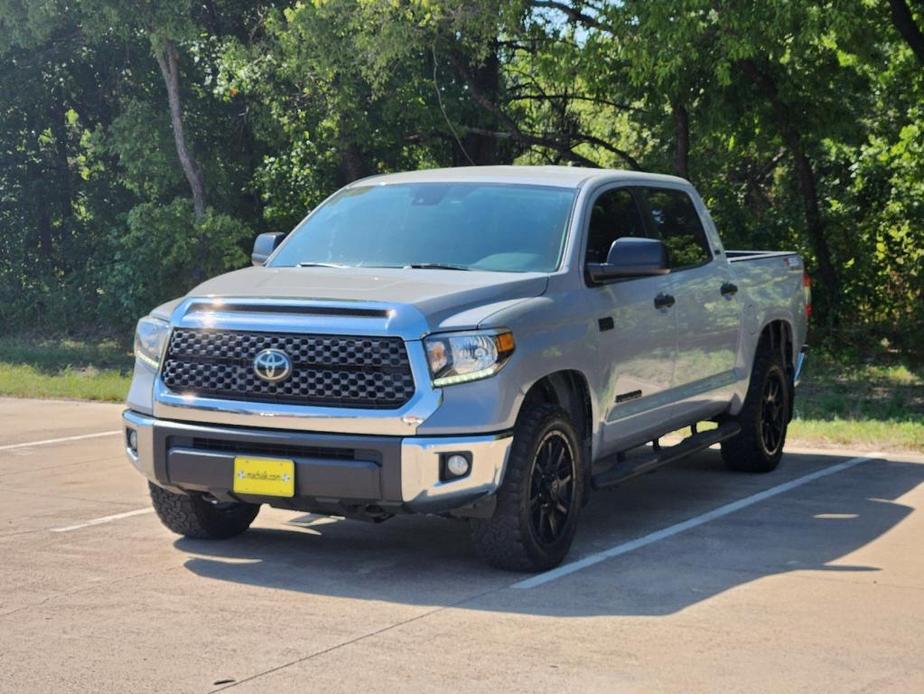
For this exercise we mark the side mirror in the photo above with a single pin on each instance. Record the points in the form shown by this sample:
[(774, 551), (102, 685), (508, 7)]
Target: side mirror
[(264, 245), (631, 257)]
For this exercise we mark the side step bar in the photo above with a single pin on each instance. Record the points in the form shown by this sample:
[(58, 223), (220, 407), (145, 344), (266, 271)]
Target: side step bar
[(624, 470)]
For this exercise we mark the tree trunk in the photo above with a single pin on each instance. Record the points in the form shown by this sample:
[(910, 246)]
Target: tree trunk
[(168, 59), (681, 139), (63, 183), (354, 164), (904, 23), (483, 149), (808, 188), (46, 245)]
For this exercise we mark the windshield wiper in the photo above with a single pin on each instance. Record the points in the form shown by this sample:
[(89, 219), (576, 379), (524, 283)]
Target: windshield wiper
[(322, 265), (436, 266)]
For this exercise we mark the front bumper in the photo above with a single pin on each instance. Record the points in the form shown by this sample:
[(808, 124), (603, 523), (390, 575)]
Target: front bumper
[(334, 473)]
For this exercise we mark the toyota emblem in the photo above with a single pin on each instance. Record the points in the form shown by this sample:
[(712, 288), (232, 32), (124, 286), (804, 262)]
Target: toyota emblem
[(272, 365)]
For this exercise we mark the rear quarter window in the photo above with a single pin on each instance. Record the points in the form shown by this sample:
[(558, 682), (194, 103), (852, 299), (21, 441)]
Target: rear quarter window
[(676, 222)]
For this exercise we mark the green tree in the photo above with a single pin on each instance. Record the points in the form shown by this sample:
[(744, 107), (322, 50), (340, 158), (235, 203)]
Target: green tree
[(145, 140)]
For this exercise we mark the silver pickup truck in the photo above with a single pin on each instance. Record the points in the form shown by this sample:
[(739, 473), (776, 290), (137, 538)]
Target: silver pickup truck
[(486, 343)]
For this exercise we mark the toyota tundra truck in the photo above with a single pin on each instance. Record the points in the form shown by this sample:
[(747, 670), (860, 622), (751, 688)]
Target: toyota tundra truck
[(485, 343)]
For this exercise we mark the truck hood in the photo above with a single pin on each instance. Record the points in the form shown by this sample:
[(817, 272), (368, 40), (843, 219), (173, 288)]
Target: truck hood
[(444, 299)]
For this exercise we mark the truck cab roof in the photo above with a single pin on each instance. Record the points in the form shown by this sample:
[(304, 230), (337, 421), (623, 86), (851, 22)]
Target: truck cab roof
[(573, 177)]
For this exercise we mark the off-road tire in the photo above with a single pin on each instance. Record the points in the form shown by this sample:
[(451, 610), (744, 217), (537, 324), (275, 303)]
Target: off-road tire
[(748, 451), (193, 516), (508, 539)]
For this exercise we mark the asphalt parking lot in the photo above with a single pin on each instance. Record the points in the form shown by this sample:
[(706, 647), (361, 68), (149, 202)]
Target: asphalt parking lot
[(693, 578)]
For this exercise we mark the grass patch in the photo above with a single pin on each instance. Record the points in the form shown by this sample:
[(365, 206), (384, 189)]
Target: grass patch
[(832, 390), (862, 405), (867, 434), (64, 369)]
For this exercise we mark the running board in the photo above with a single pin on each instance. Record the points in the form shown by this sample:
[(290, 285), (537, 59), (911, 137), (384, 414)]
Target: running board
[(622, 471)]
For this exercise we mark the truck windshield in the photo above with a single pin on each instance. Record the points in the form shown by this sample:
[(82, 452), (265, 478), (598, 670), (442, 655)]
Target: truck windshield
[(448, 226)]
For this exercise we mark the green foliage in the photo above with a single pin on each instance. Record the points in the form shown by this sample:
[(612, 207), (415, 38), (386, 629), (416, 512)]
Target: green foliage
[(284, 101), (162, 253), (882, 213), (149, 165)]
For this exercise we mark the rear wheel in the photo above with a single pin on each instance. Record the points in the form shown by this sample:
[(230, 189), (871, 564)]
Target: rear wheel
[(192, 515), (764, 417), (538, 504)]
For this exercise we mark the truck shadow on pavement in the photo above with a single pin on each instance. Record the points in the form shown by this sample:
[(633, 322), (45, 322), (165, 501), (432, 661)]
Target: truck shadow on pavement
[(429, 561)]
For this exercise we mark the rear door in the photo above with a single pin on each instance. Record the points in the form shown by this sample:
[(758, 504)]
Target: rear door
[(707, 307), (636, 340)]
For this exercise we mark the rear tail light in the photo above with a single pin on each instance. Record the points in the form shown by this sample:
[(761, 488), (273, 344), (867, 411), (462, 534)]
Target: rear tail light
[(807, 294)]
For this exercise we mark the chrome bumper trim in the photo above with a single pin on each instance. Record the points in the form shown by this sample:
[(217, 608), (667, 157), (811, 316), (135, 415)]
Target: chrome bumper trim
[(420, 468), (144, 459)]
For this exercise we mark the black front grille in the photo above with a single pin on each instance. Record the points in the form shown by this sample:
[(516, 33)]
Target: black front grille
[(329, 370)]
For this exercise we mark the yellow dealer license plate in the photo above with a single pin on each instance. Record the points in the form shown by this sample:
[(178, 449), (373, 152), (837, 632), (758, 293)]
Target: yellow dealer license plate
[(264, 476)]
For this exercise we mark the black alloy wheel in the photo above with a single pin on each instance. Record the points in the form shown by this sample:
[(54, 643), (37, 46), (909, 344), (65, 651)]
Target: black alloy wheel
[(552, 488)]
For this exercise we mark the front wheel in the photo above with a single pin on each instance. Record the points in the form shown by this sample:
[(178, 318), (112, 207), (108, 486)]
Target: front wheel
[(192, 515), (539, 501), (763, 419)]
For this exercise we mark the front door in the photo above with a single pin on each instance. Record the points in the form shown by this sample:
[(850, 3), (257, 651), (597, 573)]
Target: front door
[(637, 341)]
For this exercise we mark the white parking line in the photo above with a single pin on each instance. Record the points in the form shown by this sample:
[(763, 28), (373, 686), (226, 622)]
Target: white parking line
[(626, 547), (29, 444), (104, 519)]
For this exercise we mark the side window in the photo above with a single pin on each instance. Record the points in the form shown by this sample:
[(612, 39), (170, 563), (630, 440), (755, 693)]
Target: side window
[(677, 224), (614, 214)]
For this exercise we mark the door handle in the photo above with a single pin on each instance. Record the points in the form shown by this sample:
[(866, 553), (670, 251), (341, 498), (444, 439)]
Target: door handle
[(729, 289), (664, 301)]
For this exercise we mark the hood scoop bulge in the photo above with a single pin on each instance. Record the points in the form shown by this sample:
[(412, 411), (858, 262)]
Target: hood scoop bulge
[(295, 309)]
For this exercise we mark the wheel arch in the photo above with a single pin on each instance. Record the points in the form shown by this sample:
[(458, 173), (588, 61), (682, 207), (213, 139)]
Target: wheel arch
[(777, 335), (570, 390)]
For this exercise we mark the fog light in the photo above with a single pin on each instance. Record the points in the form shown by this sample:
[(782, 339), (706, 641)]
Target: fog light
[(457, 465), (132, 438)]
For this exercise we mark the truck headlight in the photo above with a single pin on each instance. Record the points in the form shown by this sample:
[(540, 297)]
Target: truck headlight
[(150, 338), (467, 356)]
